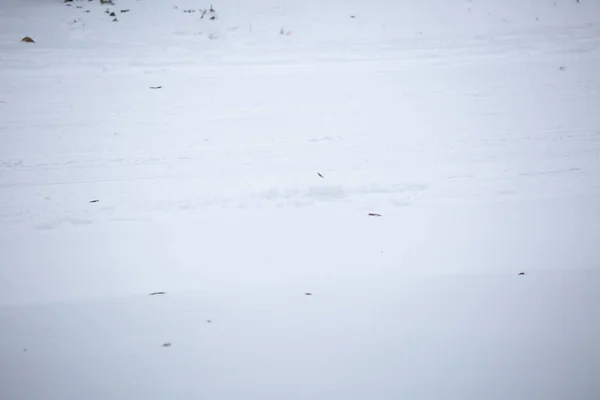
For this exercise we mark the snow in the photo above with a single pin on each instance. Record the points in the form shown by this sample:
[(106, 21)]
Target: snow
[(471, 127)]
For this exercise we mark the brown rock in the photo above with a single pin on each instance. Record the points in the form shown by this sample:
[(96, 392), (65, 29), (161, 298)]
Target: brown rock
[(27, 39)]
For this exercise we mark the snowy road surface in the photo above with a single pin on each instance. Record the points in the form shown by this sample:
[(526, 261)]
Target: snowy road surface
[(245, 181)]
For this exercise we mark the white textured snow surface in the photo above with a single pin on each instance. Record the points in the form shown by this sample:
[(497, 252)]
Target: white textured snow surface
[(471, 127)]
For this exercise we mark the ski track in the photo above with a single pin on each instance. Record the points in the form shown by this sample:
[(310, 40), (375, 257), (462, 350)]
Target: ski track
[(164, 146)]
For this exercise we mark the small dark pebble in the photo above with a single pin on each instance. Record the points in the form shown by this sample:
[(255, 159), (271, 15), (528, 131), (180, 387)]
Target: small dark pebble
[(167, 344), (155, 293), (308, 294), (124, 11), (155, 87), (374, 215), (94, 201), (321, 175), (208, 321), (521, 273), (112, 14)]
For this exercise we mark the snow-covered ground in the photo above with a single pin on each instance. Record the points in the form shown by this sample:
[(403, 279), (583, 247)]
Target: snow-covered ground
[(245, 182)]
